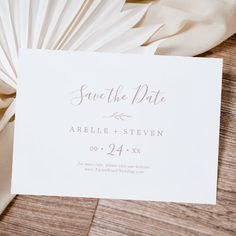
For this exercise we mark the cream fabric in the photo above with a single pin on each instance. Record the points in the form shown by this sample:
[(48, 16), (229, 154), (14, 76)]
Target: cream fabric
[(192, 27), (183, 27), (6, 142)]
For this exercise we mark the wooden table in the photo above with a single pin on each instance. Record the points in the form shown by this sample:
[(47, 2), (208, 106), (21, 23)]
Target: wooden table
[(32, 215)]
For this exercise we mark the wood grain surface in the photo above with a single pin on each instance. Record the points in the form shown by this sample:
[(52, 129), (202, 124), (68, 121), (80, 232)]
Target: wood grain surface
[(31, 215), (40, 215)]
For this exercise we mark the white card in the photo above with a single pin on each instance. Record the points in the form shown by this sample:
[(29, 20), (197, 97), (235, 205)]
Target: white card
[(117, 126)]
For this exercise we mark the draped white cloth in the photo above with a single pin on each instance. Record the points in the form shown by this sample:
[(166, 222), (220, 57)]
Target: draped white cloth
[(192, 27), (170, 27)]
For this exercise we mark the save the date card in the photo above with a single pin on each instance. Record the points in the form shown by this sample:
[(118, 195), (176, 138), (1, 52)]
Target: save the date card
[(119, 126)]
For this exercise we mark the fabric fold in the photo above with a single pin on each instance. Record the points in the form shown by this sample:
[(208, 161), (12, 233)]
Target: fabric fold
[(191, 28), (6, 143)]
